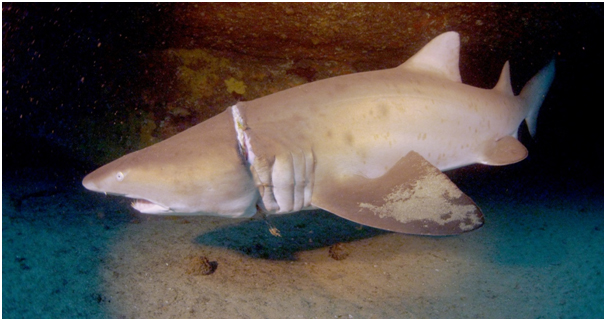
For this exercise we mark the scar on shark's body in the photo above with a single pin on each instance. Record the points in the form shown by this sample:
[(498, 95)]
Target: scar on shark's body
[(370, 147)]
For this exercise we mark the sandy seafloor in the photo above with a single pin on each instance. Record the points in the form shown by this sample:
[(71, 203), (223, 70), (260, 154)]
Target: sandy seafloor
[(69, 253)]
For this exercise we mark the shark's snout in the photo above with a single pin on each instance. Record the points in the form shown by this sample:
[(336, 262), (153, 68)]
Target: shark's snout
[(94, 182), (89, 184)]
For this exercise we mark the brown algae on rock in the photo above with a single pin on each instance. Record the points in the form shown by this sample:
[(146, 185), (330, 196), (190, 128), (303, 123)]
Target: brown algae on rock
[(235, 86)]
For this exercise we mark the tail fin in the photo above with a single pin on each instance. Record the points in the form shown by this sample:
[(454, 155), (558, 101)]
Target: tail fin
[(534, 93)]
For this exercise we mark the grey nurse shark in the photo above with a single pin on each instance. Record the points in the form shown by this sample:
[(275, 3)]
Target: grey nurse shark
[(369, 147)]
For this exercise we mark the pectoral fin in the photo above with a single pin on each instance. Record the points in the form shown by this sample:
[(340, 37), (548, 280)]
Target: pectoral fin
[(413, 197)]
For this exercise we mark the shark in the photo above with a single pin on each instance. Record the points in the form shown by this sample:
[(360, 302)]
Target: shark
[(371, 147)]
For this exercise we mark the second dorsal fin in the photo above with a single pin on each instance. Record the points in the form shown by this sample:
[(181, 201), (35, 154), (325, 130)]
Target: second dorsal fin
[(504, 84)]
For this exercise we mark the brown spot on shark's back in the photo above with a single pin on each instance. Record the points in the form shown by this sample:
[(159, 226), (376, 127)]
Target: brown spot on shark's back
[(349, 139)]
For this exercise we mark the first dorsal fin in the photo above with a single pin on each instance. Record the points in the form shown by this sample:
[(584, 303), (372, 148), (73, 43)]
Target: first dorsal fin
[(440, 57), (504, 84)]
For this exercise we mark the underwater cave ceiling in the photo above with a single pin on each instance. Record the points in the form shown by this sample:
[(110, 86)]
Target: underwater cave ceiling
[(355, 31)]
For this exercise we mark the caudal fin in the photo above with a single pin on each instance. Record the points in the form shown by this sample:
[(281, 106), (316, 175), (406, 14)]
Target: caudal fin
[(534, 93)]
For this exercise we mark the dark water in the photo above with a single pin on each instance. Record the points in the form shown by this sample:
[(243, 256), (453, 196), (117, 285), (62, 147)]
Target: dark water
[(66, 67)]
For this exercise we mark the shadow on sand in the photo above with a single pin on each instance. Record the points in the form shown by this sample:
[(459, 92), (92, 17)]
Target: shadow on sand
[(298, 232)]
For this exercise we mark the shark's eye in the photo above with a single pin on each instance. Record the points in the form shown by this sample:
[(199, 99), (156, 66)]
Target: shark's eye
[(119, 176)]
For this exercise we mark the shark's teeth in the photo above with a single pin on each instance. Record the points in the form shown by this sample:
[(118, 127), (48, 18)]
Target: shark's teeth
[(145, 206)]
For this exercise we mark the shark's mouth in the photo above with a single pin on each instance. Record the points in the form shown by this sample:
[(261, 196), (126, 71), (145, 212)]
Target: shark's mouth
[(148, 207)]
